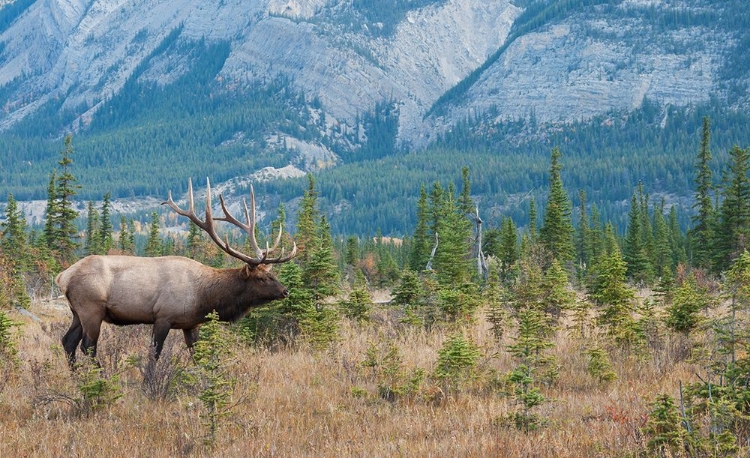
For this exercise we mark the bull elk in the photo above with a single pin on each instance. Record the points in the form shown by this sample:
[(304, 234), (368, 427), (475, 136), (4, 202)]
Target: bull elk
[(170, 292)]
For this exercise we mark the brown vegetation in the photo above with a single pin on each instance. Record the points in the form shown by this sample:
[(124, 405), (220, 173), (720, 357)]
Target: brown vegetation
[(303, 403)]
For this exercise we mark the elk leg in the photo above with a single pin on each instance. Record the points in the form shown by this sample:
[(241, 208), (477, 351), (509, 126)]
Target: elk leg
[(161, 331), (72, 337), (92, 326), (191, 336)]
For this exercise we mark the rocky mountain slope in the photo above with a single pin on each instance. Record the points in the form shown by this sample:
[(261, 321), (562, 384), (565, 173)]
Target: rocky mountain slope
[(588, 58)]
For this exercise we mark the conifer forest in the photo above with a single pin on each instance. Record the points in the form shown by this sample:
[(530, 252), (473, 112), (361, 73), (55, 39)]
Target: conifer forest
[(565, 325)]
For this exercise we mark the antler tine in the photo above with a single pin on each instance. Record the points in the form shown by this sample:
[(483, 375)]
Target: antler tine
[(249, 228)]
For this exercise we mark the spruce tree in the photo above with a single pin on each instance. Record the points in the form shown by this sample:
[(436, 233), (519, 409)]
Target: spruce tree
[(688, 300), (420, 250), (509, 249), (61, 230), (154, 246), (558, 295), (611, 293), (701, 234), (307, 221), (127, 236), (583, 238), (556, 233), (452, 262), (14, 248), (532, 221), (529, 348), (734, 214), (106, 230), (320, 274), (634, 249), (92, 243), (14, 236), (465, 202), (662, 255)]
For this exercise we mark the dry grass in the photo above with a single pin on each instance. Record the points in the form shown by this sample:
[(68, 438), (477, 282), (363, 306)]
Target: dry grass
[(299, 403)]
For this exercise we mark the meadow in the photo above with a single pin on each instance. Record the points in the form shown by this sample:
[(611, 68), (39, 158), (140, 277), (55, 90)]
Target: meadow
[(328, 403)]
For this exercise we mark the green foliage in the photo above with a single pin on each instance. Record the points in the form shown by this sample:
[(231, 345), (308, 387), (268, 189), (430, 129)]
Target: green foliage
[(457, 362), (556, 233), (8, 348), (610, 291), (666, 436), (558, 296), (458, 304), (154, 245), (60, 230), (496, 297), (599, 366), (359, 304), (733, 223), (534, 366), (688, 300), (212, 354), (98, 391), (408, 292), (385, 364), (701, 234)]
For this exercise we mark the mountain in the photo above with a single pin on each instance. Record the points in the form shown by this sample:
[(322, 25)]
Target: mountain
[(226, 88)]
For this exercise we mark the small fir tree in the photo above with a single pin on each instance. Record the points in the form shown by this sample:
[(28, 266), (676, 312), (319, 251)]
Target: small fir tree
[(154, 246), (211, 355), (556, 233)]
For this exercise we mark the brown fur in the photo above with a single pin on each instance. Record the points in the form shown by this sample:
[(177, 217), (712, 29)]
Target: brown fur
[(169, 292)]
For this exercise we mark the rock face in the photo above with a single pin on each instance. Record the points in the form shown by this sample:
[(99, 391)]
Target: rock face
[(83, 51)]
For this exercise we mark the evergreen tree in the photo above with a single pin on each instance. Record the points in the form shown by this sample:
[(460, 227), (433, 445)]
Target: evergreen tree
[(676, 240), (734, 214), (465, 203), (14, 249), (193, 240), (532, 221), (320, 274), (664, 428), (106, 237), (14, 238), (683, 314), (408, 292), (127, 236), (583, 239), (634, 251), (557, 231), (307, 221), (662, 255), (420, 250), (611, 293), (50, 210), (211, 355), (529, 349), (597, 235), (92, 243), (351, 255), (509, 250), (647, 235), (558, 295), (701, 234), (154, 246), (452, 262), (62, 231)]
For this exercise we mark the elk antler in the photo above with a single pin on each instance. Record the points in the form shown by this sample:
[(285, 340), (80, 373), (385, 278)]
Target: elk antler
[(249, 228)]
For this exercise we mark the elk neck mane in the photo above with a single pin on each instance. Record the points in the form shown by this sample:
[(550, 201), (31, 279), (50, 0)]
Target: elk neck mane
[(229, 292)]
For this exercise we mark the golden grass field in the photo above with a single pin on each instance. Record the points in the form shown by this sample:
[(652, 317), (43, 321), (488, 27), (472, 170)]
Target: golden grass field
[(299, 403)]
